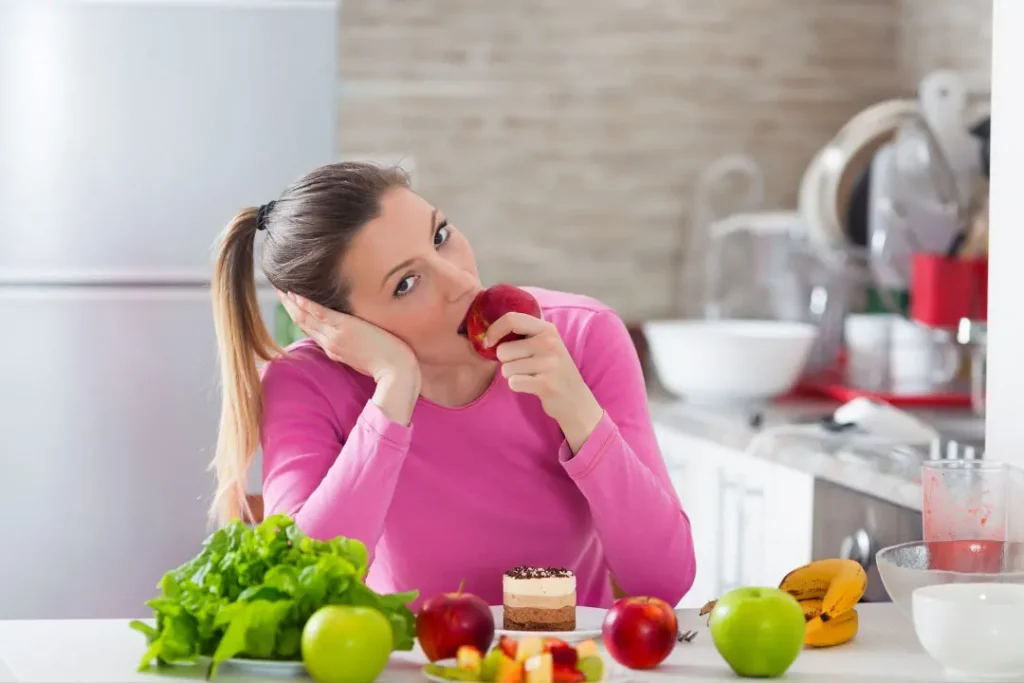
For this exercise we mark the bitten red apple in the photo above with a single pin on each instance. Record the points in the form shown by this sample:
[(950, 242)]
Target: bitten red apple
[(640, 632), (448, 621), (489, 305)]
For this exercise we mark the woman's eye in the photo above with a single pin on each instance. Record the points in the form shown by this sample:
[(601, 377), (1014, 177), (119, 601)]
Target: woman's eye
[(442, 234), (405, 285)]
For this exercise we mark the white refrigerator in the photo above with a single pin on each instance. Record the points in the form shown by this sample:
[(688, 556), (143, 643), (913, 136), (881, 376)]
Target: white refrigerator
[(130, 133)]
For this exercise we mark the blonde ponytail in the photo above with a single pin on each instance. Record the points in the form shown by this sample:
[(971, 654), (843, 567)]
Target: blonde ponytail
[(242, 339)]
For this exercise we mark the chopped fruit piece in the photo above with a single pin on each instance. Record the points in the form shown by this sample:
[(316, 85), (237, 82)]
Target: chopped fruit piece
[(509, 671), (528, 647), (550, 643), (587, 648), (449, 673), (539, 668), (489, 668), (564, 674), (564, 656), (508, 646), (592, 668), (468, 658)]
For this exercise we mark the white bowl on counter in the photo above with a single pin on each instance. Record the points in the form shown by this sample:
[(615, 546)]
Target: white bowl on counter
[(727, 362), (972, 629)]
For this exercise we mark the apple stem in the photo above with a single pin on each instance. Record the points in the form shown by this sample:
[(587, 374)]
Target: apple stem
[(462, 584)]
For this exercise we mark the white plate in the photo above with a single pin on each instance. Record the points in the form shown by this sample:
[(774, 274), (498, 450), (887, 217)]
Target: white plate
[(588, 625), (451, 662), (260, 667)]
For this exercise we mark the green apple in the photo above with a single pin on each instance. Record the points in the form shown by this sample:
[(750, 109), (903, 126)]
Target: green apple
[(758, 631), (343, 644)]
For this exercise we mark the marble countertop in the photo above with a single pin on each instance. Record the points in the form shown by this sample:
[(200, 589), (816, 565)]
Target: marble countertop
[(80, 651), (887, 471)]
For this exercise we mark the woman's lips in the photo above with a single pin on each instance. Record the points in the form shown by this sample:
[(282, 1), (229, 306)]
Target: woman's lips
[(462, 328)]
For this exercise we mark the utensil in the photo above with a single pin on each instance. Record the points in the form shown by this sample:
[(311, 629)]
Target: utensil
[(906, 567), (729, 362), (867, 337), (944, 98), (731, 184), (830, 180), (766, 248), (922, 359), (686, 636), (972, 629), (974, 335)]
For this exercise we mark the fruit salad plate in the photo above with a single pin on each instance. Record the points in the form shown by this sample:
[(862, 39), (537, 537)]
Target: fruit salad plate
[(446, 671), (531, 659), (588, 625)]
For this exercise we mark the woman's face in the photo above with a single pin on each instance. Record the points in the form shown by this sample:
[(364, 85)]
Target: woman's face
[(413, 274)]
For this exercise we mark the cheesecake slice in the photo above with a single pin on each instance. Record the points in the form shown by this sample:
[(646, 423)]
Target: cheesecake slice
[(539, 599)]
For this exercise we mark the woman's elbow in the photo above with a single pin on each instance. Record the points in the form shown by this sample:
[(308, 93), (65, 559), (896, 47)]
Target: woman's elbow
[(680, 566), (681, 579)]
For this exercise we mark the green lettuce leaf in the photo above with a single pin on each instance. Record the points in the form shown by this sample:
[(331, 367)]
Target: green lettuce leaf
[(250, 591)]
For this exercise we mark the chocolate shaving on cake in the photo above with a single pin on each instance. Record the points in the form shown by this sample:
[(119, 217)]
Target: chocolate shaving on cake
[(524, 572)]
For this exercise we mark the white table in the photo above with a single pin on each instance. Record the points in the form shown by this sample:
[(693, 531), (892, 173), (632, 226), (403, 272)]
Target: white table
[(107, 651)]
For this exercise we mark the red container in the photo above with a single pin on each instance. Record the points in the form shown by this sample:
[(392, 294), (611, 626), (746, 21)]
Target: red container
[(944, 290)]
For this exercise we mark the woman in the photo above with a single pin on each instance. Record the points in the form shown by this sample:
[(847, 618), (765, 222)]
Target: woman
[(386, 426)]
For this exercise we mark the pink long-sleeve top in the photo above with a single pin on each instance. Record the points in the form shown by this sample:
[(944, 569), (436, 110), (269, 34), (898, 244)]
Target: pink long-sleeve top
[(466, 493)]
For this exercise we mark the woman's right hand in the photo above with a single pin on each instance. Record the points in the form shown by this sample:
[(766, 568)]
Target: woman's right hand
[(365, 348)]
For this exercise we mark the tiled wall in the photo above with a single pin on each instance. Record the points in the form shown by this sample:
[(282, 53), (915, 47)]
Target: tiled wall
[(565, 136)]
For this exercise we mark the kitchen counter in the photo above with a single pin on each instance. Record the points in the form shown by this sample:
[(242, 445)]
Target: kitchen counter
[(107, 651), (892, 475)]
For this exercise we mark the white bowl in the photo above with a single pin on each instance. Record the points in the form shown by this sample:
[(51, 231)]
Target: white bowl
[(972, 629), (729, 361)]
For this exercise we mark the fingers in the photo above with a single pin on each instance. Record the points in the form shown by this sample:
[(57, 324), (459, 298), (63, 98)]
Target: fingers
[(302, 318), (323, 325), (315, 310), (527, 384), (518, 323), (527, 366), (514, 350)]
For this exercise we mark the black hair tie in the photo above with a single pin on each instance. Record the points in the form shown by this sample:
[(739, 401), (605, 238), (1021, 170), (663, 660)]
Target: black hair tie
[(261, 215)]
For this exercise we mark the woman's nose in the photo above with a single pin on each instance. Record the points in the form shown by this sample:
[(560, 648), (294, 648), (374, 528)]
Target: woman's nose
[(459, 281)]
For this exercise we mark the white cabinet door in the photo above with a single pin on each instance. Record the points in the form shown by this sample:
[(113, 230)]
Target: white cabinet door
[(751, 518), (693, 477), (766, 513)]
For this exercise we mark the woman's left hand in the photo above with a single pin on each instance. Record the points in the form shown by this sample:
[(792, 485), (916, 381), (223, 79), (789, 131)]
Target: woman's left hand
[(541, 365)]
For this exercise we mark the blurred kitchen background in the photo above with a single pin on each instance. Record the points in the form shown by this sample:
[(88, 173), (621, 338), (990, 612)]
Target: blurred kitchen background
[(785, 200)]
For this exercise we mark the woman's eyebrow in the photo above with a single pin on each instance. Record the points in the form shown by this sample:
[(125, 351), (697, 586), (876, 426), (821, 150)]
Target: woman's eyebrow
[(408, 262)]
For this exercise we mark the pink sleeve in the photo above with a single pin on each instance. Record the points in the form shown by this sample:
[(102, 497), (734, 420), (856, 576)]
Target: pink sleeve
[(331, 483), (620, 470)]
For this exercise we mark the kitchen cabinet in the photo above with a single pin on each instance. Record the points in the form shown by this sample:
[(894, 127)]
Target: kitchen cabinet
[(751, 518)]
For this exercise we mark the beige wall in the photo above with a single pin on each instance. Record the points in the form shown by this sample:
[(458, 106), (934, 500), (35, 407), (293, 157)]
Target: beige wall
[(564, 136)]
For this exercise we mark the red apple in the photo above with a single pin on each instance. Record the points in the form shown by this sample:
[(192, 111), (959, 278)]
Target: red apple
[(448, 621), (639, 632), (489, 305)]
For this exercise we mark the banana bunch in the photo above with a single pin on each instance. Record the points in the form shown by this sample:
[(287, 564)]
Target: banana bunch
[(828, 591)]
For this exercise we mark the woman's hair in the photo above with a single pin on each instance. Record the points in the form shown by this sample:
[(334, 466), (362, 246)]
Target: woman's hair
[(308, 228)]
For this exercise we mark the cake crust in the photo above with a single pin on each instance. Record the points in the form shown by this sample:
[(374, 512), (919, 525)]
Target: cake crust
[(540, 619)]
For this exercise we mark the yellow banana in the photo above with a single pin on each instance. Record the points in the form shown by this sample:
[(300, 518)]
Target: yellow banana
[(845, 591), (835, 581), (811, 607), (832, 632)]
